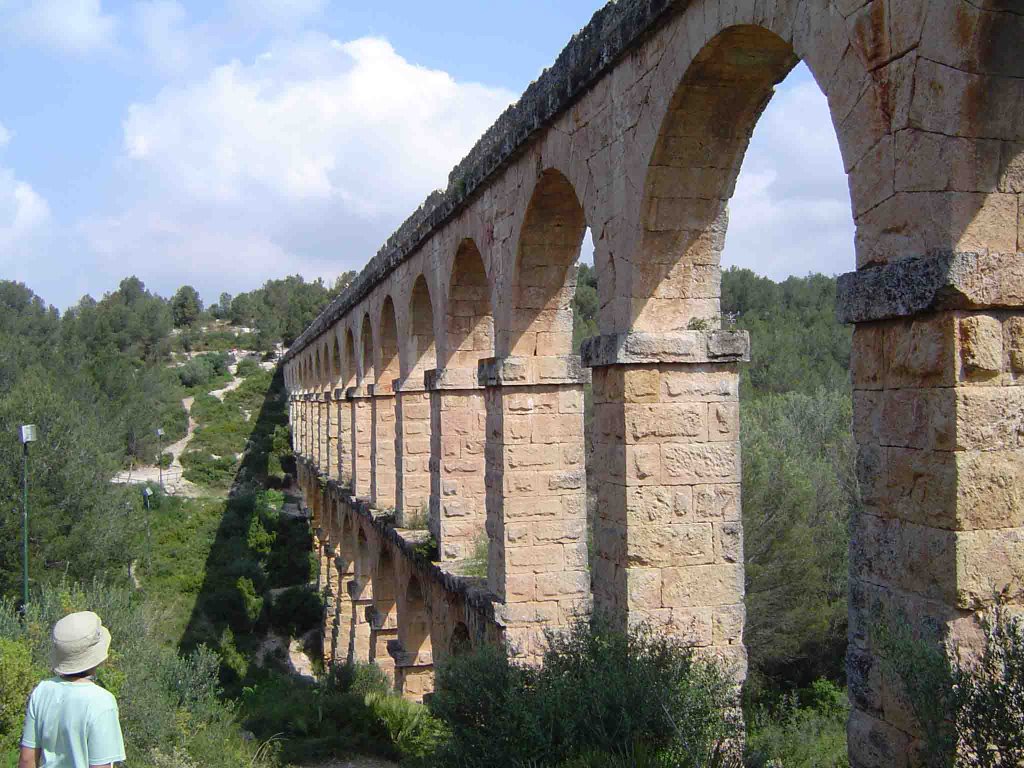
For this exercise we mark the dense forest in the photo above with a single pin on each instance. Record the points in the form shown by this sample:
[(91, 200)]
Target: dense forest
[(99, 381)]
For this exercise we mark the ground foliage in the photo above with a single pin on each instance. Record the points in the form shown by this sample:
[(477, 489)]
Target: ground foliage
[(970, 713), (598, 692)]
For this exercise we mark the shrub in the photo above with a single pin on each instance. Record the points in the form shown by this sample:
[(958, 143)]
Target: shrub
[(970, 713), (807, 729), (247, 367), (296, 610), (413, 730), (18, 675), (252, 601), (313, 721), (359, 679), (598, 690), (202, 369)]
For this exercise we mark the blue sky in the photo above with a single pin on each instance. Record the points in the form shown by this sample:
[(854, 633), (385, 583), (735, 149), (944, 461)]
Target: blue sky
[(224, 143)]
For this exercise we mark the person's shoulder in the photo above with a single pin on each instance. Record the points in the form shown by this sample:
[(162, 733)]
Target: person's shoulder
[(43, 687), (101, 695)]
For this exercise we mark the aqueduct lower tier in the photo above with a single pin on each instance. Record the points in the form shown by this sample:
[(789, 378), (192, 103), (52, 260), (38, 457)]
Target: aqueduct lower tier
[(443, 381)]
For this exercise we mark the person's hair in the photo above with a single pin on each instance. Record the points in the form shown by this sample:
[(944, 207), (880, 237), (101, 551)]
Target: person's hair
[(79, 675)]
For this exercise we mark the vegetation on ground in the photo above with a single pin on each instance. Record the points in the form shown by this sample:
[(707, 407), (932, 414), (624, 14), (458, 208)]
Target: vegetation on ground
[(970, 713), (598, 692)]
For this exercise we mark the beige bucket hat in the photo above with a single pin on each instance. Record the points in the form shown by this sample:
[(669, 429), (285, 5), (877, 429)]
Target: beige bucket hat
[(80, 642)]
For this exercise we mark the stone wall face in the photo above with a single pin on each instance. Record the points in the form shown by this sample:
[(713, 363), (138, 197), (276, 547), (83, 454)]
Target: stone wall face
[(638, 132)]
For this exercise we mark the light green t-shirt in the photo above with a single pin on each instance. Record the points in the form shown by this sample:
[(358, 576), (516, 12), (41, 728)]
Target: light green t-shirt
[(75, 724)]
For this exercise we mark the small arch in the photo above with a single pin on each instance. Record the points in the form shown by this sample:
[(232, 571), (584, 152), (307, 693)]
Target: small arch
[(366, 336), (469, 318), (387, 343), (336, 360), (545, 273), (460, 642), (423, 350), (416, 621), (349, 357)]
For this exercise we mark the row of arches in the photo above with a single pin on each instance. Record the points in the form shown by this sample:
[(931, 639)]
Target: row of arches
[(380, 607), (476, 315)]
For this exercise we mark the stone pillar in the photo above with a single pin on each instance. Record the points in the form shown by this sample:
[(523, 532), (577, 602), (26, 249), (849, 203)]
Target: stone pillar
[(300, 425), (382, 448), (362, 427), (412, 458), (938, 403), (329, 590), (327, 458), (360, 590), (343, 433), (458, 426), (307, 425), (383, 616), (668, 536), (344, 563), (412, 649), (536, 505)]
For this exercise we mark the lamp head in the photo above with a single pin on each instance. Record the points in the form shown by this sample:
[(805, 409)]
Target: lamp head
[(27, 434)]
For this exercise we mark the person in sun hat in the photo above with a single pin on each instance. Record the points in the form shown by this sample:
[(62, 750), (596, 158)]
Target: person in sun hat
[(70, 721)]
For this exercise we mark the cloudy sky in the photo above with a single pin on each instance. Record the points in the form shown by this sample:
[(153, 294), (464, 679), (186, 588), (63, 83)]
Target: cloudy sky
[(225, 142)]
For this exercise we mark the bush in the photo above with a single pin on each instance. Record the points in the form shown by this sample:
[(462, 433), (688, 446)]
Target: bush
[(598, 690), (203, 369), (413, 730), (359, 679), (807, 729), (296, 610), (970, 713), (247, 367), (313, 721), (18, 675)]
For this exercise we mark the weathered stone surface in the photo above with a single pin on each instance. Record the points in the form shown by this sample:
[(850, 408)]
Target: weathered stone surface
[(938, 281), (677, 347)]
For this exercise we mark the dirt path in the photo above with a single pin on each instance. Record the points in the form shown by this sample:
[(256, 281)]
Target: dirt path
[(235, 383), (174, 482)]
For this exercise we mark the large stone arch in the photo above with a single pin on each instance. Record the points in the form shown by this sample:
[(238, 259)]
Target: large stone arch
[(421, 354), (469, 318), (387, 345), (544, 272)]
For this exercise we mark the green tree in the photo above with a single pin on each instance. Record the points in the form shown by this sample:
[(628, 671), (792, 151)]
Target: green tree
[(186, 307)]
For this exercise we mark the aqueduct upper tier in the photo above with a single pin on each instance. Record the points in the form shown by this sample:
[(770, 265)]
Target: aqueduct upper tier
[(442, 382)]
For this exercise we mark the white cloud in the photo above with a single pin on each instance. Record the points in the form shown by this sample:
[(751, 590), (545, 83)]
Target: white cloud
[(791, 212), (68, 26), (24, 216), (304, 159)]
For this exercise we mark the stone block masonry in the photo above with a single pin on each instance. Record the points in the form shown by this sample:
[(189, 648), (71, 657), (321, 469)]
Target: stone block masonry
[(638, 132)]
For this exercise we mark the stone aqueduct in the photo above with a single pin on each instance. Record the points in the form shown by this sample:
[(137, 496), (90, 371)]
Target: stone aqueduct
[(443, 379)]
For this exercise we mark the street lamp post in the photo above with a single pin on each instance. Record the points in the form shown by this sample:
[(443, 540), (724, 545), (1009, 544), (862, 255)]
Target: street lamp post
[(27, 434), (146, 493), (160, 455)]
